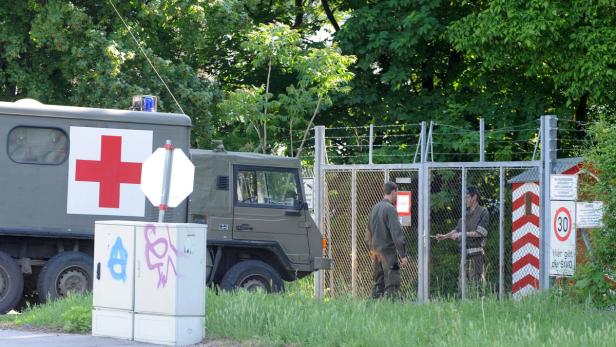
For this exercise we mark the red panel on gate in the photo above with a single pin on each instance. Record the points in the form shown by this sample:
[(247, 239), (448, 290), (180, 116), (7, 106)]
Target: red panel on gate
[(403, 205)]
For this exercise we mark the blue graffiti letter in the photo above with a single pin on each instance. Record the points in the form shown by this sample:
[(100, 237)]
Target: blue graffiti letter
[(117, 261)]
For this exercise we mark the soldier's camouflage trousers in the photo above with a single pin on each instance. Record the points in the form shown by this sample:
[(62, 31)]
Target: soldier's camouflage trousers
[(385, 274)]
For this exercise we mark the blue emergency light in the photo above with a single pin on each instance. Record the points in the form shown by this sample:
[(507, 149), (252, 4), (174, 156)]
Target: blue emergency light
[(146, 103)]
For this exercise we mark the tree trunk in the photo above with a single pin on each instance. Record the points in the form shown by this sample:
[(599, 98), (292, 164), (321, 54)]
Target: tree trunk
[(299, 14), (269, 72), (316, 111), (330, 14), (291, 134), (581, 110)]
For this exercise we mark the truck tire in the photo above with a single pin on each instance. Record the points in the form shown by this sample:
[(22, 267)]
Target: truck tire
[(11, 283), (252, 275), (65, 272)]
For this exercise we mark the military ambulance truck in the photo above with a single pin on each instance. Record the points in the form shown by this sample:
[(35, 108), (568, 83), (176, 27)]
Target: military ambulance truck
[(62, 168)]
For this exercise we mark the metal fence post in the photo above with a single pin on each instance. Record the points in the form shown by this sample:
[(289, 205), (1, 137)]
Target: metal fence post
[(430, 142), (501, 235), (319, 194), (463, 243), (371, 144), (421, 256), (482, 140), (426, 214), (354, 233), (548, 158)]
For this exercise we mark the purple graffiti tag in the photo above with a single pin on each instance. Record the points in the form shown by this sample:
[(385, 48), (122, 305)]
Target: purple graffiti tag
[(159, 249)]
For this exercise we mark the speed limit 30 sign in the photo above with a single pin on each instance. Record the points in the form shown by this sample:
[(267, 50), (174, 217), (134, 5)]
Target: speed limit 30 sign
[(562, 239)]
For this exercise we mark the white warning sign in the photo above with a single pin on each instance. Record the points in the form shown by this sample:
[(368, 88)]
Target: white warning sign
[(562, 238)]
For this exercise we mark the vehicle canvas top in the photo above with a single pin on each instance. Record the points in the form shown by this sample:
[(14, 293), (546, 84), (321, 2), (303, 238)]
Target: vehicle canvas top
[(244, 158), (36, 109)]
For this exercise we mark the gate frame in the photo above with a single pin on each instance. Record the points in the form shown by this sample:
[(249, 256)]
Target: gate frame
[(548, 133)]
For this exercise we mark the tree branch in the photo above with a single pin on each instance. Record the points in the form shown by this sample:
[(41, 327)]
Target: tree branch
[(330, 14)]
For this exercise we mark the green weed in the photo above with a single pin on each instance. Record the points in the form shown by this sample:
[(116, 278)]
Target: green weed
[(70, 314), (295, 318)]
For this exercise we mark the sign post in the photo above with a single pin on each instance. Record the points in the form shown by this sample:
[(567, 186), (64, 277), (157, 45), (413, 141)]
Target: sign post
[(167, 178), (562, 238)]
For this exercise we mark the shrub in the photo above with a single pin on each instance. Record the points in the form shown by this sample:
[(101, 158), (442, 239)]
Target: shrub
[(592, 279)]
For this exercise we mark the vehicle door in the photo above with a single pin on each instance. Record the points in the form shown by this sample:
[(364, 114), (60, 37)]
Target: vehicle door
[(268, 206)]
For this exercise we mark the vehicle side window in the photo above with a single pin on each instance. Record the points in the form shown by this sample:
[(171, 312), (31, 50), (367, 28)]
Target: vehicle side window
[(29, 145), (267, 187)]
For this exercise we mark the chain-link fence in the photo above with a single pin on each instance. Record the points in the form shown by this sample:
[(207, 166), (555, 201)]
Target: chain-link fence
[(445, 214), (351, 192), (346, 192), (349, 198)]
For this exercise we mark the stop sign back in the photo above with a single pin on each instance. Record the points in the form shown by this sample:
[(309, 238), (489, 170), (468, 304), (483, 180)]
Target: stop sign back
[(181, 182)]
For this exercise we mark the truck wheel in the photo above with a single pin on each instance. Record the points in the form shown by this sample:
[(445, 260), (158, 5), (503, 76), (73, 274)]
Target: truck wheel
[(11, 283), (65, 272), (252, 275)]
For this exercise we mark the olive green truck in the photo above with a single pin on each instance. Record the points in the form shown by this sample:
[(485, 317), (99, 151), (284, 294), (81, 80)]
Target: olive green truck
[(63, 168)]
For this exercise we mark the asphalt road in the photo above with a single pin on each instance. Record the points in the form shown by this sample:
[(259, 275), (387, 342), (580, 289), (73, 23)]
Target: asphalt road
[(18, 338)]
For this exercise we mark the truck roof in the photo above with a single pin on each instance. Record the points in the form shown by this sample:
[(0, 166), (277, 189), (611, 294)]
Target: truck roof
[(29, 107), (246, 158)]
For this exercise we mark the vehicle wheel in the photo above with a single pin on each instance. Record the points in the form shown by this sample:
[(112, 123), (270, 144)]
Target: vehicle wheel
[(252, 275), (65, 272), (11, 283)]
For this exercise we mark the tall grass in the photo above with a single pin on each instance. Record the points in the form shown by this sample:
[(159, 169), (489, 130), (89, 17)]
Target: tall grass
[(70, 314), (276, 320), (295, 318)]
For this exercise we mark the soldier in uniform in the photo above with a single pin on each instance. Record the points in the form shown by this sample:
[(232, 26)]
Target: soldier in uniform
[(385, 241), (477, 222)]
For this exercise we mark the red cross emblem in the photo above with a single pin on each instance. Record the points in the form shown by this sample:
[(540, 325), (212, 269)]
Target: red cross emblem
[(109, 172)]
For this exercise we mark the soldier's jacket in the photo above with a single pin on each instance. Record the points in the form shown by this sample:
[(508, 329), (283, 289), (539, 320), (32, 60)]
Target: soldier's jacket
[(384, 232), (477, 220)]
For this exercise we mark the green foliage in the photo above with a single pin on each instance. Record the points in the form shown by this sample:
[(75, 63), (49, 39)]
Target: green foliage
[(452, 62), (75, 53), (77, 319), (318, 72), (70, 314), (601, 161)]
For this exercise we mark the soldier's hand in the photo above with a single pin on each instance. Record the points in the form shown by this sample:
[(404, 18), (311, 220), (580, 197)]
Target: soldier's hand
[(404, 262), (440, 237), (455, 236)]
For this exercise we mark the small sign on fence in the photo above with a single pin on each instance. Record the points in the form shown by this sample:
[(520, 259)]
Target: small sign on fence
[(563, 187), (589, 214), (403, 206), (562, 238)]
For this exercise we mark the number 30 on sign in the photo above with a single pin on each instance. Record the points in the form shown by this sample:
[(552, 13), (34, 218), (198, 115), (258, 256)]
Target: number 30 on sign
[(562, 239)]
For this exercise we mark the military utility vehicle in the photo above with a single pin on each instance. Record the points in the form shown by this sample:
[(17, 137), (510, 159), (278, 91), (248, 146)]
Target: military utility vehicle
[(63, 168)]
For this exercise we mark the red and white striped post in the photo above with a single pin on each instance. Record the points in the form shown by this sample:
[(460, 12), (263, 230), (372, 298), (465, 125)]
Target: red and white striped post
[(525, 239)]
